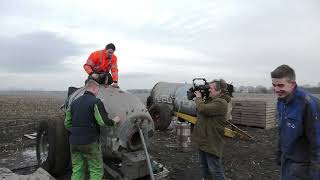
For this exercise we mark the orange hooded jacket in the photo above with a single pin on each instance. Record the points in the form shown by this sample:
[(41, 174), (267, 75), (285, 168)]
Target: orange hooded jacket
[(98, 63)]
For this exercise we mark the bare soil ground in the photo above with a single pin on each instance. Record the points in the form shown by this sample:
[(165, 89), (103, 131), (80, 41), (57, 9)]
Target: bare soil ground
[(242, 159)]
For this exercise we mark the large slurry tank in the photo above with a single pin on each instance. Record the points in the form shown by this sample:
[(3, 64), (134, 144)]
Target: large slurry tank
[(167, 97), (163, 92)]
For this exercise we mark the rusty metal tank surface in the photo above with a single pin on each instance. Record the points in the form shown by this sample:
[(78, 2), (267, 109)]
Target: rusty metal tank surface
[(124, 137)]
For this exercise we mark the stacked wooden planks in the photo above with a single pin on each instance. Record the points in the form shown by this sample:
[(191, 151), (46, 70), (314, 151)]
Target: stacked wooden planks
[(255, 112)]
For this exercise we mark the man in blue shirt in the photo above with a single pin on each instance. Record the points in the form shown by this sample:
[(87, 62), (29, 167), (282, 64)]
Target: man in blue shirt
[(299, 127)]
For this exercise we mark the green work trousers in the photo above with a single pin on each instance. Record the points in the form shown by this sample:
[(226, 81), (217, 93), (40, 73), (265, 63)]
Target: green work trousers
[(89, 154)]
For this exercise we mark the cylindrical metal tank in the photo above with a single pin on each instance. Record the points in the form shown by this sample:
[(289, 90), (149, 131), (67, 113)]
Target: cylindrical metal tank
[(174, 94), (181, 102), (164, 92), (124, 137)]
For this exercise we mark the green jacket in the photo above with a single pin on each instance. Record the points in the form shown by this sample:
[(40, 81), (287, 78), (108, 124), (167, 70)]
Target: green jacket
[(208, 132)]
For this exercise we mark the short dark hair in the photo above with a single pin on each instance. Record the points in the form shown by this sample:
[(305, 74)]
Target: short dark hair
[(110, 46), (284, 71)]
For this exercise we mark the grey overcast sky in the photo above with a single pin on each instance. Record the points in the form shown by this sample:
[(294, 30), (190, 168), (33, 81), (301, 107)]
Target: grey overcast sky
[(45, 43)]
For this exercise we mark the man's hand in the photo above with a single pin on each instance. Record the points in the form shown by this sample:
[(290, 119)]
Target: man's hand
[(115, 85), (95, 76), (198, 94), (116, 119)]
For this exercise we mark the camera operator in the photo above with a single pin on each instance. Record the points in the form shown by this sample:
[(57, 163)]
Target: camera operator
[(208, 132)]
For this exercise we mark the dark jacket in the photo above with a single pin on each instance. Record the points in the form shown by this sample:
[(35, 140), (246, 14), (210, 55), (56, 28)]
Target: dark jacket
[(84, 117), (299, 132), (208, 132)]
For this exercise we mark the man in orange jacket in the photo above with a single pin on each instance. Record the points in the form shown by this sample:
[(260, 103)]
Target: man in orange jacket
[(99, 65)]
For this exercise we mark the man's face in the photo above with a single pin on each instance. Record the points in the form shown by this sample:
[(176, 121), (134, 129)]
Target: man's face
[(213, 90), (283, 86), (109, 52)]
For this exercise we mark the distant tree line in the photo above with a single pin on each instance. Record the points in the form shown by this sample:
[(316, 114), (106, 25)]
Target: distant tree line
[(265, 90), (312, 89), (252, 89)]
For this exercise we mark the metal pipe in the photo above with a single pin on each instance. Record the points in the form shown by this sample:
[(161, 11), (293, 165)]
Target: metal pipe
[(146, 152)]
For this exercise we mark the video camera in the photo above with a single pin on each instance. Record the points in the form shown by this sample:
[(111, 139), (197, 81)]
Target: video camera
[(203, 88)]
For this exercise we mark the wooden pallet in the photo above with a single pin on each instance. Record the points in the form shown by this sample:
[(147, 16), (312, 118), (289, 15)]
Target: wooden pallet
[(254, 112)]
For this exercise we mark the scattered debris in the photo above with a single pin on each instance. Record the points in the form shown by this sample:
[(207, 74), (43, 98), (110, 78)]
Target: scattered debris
[(7, 174), (31, 136)]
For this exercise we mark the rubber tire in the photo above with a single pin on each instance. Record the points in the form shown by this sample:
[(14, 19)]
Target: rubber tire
[(165, 113), (149, 102), (58, 160), (42, 129)]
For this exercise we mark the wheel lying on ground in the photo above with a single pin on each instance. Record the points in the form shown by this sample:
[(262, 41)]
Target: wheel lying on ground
[(53, 152), (161, 115)]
